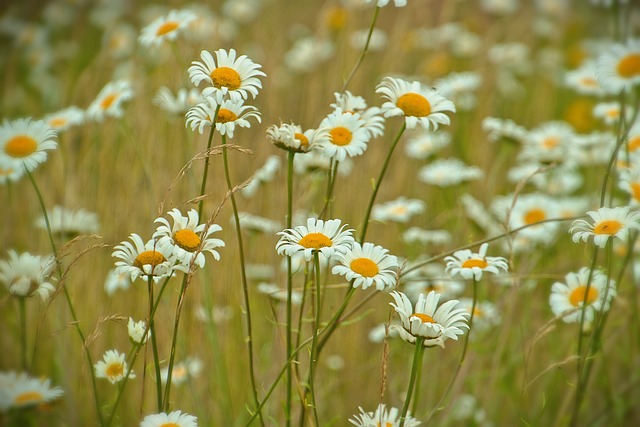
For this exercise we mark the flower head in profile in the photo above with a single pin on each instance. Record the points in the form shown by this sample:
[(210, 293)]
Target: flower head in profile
[(26, 274), (619, 67), (326, 237), (116, 280), (470, 265), (228, 76), (435, 324), (400, 210), (382, 417), (182, 371), (138, 331), (347, 135), (19, 390), (186, 238), (165, 28), (568, 298), (64, 119), (140, 259), (179, 103), (605, 223), (418, 105), (449, 172), (229, 115), (367, 265), (24, 144), (291, 137), (172, 419), (382, 3), (113, 367), (69, 222), (110, 100)]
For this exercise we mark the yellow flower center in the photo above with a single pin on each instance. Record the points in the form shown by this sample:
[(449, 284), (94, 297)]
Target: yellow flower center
[(475, 262), (414, 104), (107, 101), (340, 135), (425, 318), (589, 81), (635, 189), (114, 370), (337, 18), (57, 122), (225, 77), (315, 241), (28, 397), (5, 172), (152, 258), (169, 425), (387, 424), (166, 28), (634, 143), (551, 142), (399, 210), (629, 66), (20, 146), (577, 296), (226, 116), (610, 227), (613, 113), (304, 141), (186, 239), (179, 372), (364, 267), (534, 215)]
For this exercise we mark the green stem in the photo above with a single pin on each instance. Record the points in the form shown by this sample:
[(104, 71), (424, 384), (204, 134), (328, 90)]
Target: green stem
[(203, 185), (154, 344), (289, 320), (331, 183), (417, 361), (245, 288), (23, 332), (174, 341), (376, 185), (365, 50), (314, 342)]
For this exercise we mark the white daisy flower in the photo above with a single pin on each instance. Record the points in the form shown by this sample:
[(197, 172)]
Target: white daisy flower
[(187, 240), (434, 323), (116, 280), (372, 116), (430, 277), (165, 28), (10, 175), (173, 419), (278, 293), (607, 222), (630, 183), (377, 42), (449, 172), (419, 105), (485, 315), (634, 137), (23, 144), (182, 371), (26, 274), (138, 331), (398, 210), (290, 137), (497, 129), (110, 100), (19, 390), (470, 265), (64, 119), (609, 112), (315, 161), (326, 237), (478, 213), (347, 136), (459, 87), (368, 265), (567, 298), (584, 80), (424, 144), (257, 224), (230, 115), (383, 3), (382, 417), (549, 142), (178, 104), (229, 77), (262, 176), (619, 67), (426, 237), (142, 259), (307, 53), (69, 222), (529, 210), (113, 367)]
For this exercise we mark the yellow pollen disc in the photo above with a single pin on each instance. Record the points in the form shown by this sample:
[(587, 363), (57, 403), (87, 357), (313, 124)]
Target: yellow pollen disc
[(107, 101), (534, 215), (20, 146), (225, 77), (364, 267), (634, 143), (5, 172), (30, 396), (187, 240), (635, 188), (629, 66), (304, 141), (387, 424), (114, 370), (57, 122), (613, 113), (399, 210), (166, 28), (425, 318), (337, 18), (610, 227), (179, 372), (152, 258), (414, 104), (589, 81), (577, 296), (551, 142), (169, 425), (226, 116), (340, 135), (474, 262), (315, 241)]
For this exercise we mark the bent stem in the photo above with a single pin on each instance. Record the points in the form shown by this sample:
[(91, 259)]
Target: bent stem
[(289, 332), (365, 50), (415, 367)]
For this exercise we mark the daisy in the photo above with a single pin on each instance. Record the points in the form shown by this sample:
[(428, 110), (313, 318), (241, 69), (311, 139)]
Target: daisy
[(548, 142), (326, 237), (426, 237), (257, 224), (609, 112), (182, 371), (383, 3), (469, 265), (459, 87), (398, 210), (173, 419), (230, 115), (165, 28), (138, 331), (290, 137), (62, 120), (619, 67), (262, 176), (424, 144), (368, 265), (25, 274), (229, 77), (427, 278), (109, 101), (68, 222), (634, 137), (307, 53), (382, 417), (113, 367), (116, 280), (178, 104), (377, 42), (187, 239), (478, 213), (419, 105), (145, 260), (23, 144), (530, 210), (630, 183), (372, 116), (19, 390), (583, 80), (497, 129), (434, 323), (315, 161), (10, 175), (347, 135), (607, 222), (279, 294), (567, 298), (449, 172), (485, 314)]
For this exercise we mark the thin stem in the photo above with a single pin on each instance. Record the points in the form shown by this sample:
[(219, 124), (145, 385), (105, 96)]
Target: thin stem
[(331, 183), (314, 343), (174, 341), (23, 332), (365, 50), (245, 287), (203, 185), (376, 185), (289, 320), (154, 344), (417, 360)]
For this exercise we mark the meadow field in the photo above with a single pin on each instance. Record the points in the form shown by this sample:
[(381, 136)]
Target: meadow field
[(319, 213)]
